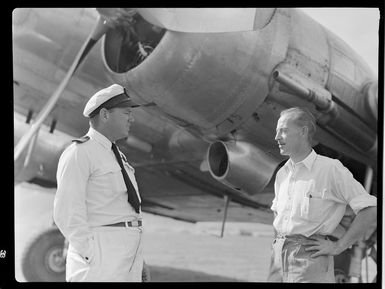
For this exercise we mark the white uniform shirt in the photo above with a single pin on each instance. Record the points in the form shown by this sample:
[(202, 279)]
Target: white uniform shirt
[(311, 196), (91, 190)]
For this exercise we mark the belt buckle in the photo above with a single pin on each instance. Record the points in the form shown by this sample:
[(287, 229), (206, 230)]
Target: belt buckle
[(132, 224), (135, 223)]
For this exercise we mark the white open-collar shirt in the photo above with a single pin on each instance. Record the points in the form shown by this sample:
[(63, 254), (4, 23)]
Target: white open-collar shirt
[(311, 196), (91, 190)]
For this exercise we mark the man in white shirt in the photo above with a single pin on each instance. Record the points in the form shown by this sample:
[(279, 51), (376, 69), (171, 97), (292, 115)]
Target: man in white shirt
[(97, 203), (311, 195)]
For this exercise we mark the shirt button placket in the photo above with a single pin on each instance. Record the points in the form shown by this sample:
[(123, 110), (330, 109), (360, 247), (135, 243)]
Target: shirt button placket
[(289, 198), (291, 186)]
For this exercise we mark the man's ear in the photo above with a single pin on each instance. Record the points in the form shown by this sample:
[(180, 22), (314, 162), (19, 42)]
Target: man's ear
[(104, 114), (305, 131)]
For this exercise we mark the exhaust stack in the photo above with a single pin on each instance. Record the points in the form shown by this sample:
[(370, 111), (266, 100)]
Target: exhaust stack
[(241, 166)]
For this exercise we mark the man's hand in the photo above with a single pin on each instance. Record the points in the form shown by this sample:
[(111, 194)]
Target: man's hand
[(322, 246)]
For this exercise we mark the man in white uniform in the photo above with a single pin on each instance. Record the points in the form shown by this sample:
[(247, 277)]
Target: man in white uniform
[(97, 203), (311, 195)]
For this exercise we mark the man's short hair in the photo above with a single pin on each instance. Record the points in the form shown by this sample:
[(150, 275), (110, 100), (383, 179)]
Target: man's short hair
[(301, 116)]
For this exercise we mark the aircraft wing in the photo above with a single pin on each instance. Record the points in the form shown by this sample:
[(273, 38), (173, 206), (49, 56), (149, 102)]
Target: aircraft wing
[(182, 192)]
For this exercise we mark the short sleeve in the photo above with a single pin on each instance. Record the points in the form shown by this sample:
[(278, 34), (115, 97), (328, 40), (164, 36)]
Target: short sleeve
[(349, 189)]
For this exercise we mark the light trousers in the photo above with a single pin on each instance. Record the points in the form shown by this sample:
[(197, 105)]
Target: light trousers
[(291, 263), (117, 257)]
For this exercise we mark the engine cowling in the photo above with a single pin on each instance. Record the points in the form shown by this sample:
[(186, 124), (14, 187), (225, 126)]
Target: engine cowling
[(208, 82), (241, 165)]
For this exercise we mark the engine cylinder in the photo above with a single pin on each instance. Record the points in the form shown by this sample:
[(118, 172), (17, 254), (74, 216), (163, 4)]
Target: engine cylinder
[(241, 166)]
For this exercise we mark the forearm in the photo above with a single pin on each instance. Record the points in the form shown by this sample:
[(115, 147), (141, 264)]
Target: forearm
[(70, 212), (72, 222), (364, 219)]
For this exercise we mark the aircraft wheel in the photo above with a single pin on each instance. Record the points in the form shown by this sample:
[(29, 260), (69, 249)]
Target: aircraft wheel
[(43, 259)]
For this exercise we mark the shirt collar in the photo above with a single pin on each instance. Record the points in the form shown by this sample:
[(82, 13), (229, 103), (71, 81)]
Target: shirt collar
[(100, 138), (307, 162)]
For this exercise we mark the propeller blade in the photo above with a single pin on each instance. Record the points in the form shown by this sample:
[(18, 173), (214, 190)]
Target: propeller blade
[(99, 30), (204, 20)]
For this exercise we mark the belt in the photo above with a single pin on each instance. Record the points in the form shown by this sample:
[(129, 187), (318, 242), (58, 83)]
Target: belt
[(299, 237), (137, 223)]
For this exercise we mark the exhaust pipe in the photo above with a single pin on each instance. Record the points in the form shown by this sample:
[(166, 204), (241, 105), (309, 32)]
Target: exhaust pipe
[(241, 166)]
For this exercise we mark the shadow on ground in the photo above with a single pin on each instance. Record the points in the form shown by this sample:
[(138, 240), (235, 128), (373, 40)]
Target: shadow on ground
[(168, 274)]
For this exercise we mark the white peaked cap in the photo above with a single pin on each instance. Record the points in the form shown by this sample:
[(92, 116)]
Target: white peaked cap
[(107, 96)]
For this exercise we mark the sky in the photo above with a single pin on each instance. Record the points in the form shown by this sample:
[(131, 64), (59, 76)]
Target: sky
[(358, 27)]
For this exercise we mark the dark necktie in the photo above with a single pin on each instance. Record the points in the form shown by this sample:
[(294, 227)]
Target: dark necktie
[(132, 196)]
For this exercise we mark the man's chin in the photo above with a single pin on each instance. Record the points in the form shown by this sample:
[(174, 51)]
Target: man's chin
[(124, 137), (283, 152)]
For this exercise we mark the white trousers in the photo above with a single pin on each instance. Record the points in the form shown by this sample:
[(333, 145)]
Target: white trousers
[(117, 257)]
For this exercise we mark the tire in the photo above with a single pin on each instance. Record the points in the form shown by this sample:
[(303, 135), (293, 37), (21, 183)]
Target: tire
[(43, 259)]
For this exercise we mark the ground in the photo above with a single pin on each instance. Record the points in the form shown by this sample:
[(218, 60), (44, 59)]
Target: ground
[(174, 250)]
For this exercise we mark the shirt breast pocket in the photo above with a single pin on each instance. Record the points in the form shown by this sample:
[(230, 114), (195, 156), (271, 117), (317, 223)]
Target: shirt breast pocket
[(314, 207), (110, 178)]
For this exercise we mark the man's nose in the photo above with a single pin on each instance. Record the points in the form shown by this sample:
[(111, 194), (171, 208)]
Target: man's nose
[(277, 136)]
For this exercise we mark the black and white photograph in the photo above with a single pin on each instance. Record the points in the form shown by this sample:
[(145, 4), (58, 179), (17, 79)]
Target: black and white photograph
[(197, 145)]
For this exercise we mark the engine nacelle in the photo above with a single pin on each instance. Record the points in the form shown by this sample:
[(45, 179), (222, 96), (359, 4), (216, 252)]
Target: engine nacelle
[(241, 166)]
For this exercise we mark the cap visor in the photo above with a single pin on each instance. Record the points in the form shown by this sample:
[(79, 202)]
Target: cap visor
[(127, 103)]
